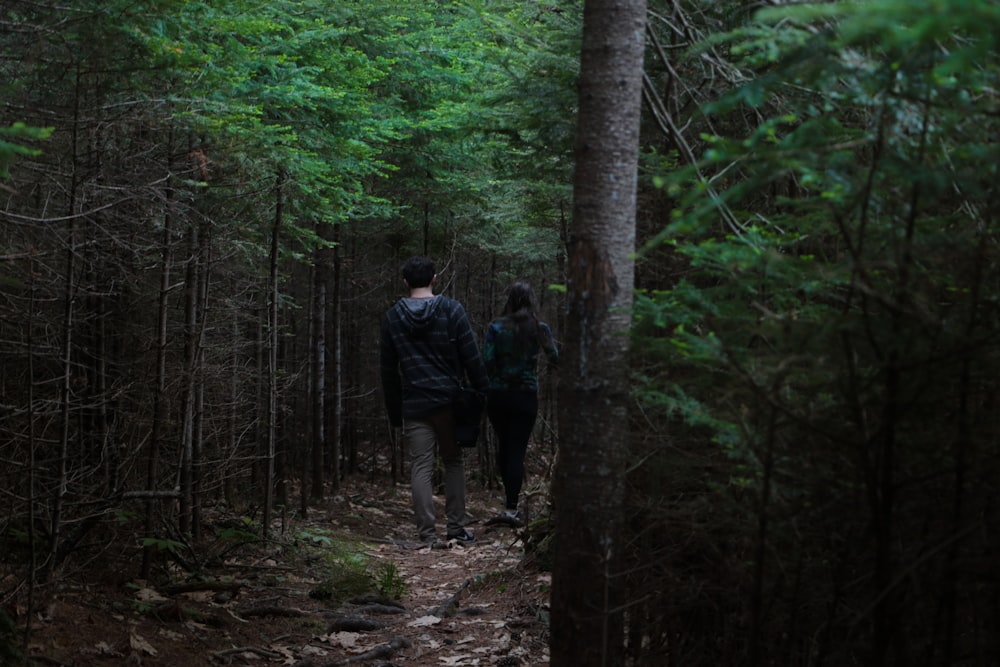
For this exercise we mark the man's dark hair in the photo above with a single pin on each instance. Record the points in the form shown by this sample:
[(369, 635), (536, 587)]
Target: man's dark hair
[(418, 271)]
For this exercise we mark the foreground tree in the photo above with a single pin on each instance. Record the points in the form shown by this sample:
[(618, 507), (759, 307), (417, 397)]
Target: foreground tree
[(587, 619)]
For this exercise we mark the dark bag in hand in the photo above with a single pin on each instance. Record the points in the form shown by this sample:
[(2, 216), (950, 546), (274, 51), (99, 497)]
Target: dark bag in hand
[(467, 407)]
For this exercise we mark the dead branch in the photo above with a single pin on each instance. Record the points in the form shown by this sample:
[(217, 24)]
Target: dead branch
[(450, 606), (383, 651)]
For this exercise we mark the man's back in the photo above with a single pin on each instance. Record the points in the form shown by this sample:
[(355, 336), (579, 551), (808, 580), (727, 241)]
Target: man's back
[(427, 347)]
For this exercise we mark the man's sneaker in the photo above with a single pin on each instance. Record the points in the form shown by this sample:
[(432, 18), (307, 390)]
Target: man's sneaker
[(462, 536)]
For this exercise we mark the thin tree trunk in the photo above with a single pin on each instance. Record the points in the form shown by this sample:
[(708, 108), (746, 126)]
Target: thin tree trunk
[(33, 551), (159, 397), (760, 549), (317, 325), (229, 484), (882, 492), (201, 316), (282, 455), (190, 360), (65, 393), (107, 450), (307, 459), (427, 227), (963, 452), (336, 441), (589, 485), (260, 397), (272, 356)]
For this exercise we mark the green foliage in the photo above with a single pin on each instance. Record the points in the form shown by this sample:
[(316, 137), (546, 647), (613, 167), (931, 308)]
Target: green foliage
[(343, 554), (389, 580), (318, 537), (834, 335), (350, 570), (240, 532), (341, 585), (163, 544), (10, 146)]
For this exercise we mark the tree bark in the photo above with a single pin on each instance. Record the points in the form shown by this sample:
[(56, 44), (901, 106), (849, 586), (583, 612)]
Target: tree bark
[(318, 329), (337, 429), (272, 356), (589, 485), (66, 393), (186, 476), (160, 394)]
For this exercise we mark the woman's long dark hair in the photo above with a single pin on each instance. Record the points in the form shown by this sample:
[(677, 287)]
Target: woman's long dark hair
[(520, 308)]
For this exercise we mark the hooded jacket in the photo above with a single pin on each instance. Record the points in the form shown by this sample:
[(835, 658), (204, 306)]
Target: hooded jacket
[(426, 350)]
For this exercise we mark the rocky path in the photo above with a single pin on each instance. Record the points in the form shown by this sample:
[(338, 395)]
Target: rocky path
[(471, 604), (286, 603)]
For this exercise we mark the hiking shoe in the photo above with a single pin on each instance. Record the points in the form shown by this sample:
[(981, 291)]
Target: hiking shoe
[(463, 536), (514, 517)]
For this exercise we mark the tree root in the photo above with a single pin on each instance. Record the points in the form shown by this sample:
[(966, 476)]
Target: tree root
[(381, 651), (353, 624), (264, 653)]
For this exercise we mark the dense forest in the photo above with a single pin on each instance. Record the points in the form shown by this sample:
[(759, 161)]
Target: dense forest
[(203, 212)]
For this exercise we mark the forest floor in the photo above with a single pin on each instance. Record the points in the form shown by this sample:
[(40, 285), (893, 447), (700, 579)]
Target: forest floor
[(348, 585)]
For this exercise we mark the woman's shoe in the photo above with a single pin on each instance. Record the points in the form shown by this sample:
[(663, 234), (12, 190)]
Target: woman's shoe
[(514, 517)]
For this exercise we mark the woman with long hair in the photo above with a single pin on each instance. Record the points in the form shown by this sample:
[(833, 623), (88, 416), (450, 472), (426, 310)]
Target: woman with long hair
[(511, 347)]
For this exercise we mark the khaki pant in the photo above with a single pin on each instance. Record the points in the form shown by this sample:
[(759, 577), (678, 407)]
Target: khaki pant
[(423, 436)]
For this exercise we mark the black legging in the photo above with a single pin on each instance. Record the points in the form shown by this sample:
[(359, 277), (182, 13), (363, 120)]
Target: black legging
[(512, 414)]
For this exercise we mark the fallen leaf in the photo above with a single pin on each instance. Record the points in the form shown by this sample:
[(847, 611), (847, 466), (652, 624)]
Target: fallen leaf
[(424, 621), (199, 596), (138, 643), (148, 595), (170, 634), (458, 660), (342, 639), (104, 648)]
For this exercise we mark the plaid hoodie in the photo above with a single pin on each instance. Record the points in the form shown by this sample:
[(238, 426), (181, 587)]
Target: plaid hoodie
[(422, 344)]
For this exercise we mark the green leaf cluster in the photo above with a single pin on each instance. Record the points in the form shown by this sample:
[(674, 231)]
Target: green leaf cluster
[(834, 332), (11, 146)]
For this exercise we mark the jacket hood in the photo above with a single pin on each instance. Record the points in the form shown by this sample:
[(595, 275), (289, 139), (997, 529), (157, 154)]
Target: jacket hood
[(418, 314)]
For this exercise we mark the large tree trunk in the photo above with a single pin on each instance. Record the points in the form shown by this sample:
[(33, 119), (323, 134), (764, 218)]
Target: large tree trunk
[(587, 606)]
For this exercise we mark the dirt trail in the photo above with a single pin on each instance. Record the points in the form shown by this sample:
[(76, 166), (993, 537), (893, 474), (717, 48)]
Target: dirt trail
[(476, 604)]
